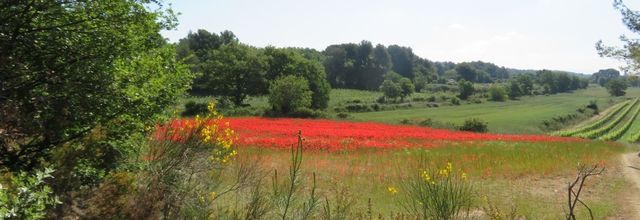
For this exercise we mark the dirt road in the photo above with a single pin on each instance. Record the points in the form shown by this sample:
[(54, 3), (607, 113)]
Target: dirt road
[(631, 171)]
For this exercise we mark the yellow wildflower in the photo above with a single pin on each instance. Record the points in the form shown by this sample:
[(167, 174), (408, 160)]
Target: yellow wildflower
[(392, 190)]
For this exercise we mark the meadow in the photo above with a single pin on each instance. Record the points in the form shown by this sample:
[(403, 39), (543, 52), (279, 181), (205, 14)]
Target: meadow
[(519, 116), (364, 164)]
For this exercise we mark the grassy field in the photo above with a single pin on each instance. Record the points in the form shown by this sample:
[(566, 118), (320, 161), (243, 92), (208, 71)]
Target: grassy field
[(521, 116), (528, 176)]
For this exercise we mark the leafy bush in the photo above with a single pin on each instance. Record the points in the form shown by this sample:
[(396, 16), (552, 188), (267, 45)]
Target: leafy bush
[(418, 99), (431, 98), (455, 101), (193, 108), (617, 87), (474, 125), (436, 194), (306, 113), (375, 107), (342, 115), (391, 89), (466, 89), (26, 196), (358, 108), (288, 93), (497, 93)]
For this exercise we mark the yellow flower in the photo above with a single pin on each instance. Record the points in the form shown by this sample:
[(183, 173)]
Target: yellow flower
[(463, 176), (392, 190), (426, 176), (449, 166), (213, 195)]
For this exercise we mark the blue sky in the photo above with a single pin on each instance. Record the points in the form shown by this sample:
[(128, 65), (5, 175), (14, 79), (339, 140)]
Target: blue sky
[(525, 34)]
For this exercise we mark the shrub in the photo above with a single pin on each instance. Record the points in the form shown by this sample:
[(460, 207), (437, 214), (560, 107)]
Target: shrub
[(474, 125), (418, 99), (391, 90), (436, 194), (192, 108), (497, 93), (466, 89), (357, 108), (306, 113), (426, 122), (455, 101), (431, 98), (178, 165), (617, 87), (375, 107), (286, 94), (342, 115), (27, 196)]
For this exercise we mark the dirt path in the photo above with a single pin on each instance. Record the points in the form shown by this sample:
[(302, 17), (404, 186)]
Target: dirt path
[(631, 171)]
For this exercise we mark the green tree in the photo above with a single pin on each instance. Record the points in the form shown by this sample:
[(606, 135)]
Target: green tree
[(629, 52), (514, 90), (497, 93), (402, 59), (390, 89), (282, 62), (406, 86), (235, 71), (617, 87), (467, 72), (71, 68), (466, 89), (289, 93)]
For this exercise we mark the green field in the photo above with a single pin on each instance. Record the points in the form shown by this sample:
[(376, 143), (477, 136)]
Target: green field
[(521, 116), (528, 176)]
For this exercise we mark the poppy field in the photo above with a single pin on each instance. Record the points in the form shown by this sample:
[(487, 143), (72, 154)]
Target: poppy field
[(340, 135)]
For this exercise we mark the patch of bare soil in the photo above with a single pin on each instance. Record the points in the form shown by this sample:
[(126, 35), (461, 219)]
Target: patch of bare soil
[(631, 171)]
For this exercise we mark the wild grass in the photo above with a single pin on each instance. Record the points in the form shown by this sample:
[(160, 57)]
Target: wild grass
[(528, 174)]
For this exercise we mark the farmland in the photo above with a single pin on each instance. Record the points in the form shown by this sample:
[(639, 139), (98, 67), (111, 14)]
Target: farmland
[(363, 159), (314, 110), (522, 116), (614, 125)]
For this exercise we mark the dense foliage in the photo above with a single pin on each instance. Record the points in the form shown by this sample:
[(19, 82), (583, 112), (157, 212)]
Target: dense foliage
[(232, 70), (289, 93), (81, 82), (72, 67)]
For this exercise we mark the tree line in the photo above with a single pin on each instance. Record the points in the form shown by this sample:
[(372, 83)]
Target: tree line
[(228, 68)]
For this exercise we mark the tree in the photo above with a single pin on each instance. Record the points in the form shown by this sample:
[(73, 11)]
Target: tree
[(603, 76), (525, 82), (466, 89), (514, 90), (497, 93), (406, 86), (235, 71), (402, 59), (282, 62), (628, 53), (71, 68), (467, 72), (289, 93), (195, 50), (390, 89), (617, 87)]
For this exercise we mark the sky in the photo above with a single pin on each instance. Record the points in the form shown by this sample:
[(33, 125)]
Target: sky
[(523, 34)]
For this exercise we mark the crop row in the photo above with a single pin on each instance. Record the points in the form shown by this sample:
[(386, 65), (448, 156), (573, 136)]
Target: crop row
[(635, 137), (606, 128), (615, 134), (596, 124)]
